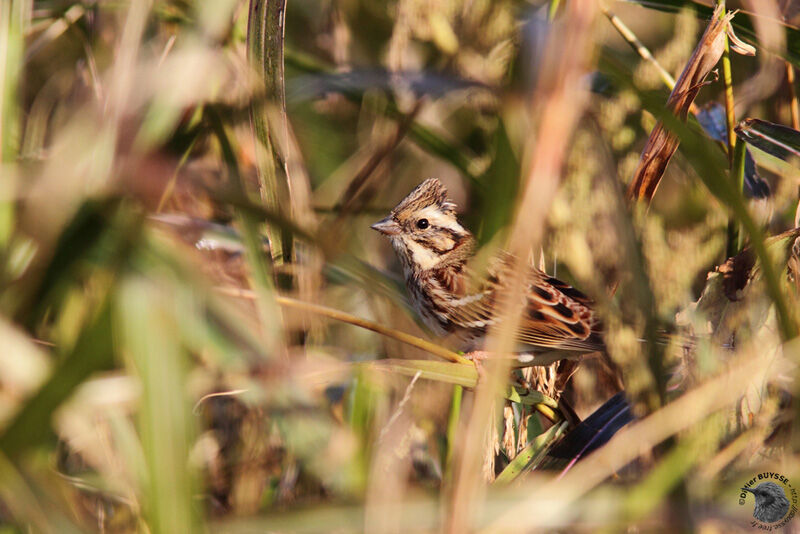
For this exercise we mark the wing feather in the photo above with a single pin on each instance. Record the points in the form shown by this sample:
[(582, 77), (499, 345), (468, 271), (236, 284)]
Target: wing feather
[(556, 314)]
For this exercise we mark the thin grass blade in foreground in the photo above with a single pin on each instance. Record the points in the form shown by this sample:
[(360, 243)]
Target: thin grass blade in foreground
[(531, 455), (11, 47), (555, 106), (265, 28), (165, 422), (269, 314), (369, 325), (774, 139), (453, 373), (25, 505)]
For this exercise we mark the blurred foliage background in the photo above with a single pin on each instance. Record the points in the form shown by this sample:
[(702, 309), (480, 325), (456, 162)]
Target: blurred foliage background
[(185, 259)]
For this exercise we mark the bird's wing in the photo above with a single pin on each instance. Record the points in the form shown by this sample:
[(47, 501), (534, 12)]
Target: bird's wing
[(556, 315)]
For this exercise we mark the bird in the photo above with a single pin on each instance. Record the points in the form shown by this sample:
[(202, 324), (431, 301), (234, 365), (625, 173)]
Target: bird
[(771, 502), (435, 249)]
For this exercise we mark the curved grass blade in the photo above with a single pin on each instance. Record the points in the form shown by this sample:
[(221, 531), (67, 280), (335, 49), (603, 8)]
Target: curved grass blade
[(383, 330), (265, 27), (90, 237), (774, 139), (530, 457), (345, 317), (92, 352), (269, 314), (451, 373), (698, 152)]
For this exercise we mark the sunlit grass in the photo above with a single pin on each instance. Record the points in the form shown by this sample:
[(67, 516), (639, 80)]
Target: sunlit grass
[(199, 331)]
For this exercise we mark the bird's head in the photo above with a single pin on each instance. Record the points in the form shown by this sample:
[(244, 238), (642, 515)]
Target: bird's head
[(424, 229), (771, 502), (766, 491)]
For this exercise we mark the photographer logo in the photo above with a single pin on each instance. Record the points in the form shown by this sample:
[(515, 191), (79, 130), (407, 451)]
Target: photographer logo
[(773, 498)]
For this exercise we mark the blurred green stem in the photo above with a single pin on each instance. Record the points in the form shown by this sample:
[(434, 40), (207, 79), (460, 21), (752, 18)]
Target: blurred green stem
[(793, 105), (452, 429), (265, 52), (735, 236), (795, 110), (181, 162), (344, 317), (269, 314), (638, 46), (11, 45), (737, 174), (553, 9), (727, 78)]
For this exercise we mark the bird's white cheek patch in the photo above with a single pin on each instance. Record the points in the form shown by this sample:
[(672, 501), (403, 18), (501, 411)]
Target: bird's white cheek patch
[(423, 257)]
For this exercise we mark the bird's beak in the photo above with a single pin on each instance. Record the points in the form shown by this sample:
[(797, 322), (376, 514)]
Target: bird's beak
[(387, 226)]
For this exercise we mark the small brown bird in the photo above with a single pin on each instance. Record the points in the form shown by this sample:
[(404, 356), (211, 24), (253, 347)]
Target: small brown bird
[(434, 250)]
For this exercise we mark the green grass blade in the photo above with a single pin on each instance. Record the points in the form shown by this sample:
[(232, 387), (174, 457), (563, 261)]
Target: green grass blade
[(92, 352), (737, 174), (774, 139), (265, 27), (145, 320), (99, 234), (21, 500), (451, 373), (453, 420), (530, 456), (529, 397), (11, 46), (269, 313)]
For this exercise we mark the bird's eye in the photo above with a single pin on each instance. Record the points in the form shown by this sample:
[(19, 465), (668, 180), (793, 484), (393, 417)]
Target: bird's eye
[(422, 224)]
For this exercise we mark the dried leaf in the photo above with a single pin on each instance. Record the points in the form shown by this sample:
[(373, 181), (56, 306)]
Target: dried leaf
[(661, 144), (737, 45), (736, 273), (739, 270)]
